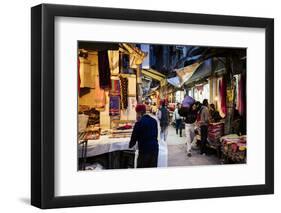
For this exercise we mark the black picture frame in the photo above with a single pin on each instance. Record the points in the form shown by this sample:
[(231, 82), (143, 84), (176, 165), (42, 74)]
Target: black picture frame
[(42, 105)]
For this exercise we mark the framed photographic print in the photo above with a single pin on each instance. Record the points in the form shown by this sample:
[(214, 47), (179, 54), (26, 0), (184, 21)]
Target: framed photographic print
[(139, 106)]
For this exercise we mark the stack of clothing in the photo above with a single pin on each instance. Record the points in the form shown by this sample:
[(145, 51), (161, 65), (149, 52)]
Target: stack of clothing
[(215, 131), (122, 131), (92, 133), (234, 147)]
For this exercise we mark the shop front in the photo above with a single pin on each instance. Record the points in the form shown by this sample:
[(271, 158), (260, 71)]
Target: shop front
[(227, 136), (108, 88)]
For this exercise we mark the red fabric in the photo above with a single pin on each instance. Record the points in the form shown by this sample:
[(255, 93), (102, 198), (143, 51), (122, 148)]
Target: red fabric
[(222, 90), (215, 131), (242, 95), (163, 101)]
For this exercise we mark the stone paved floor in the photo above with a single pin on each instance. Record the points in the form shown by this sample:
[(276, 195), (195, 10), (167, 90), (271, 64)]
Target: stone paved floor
[(177, 155)]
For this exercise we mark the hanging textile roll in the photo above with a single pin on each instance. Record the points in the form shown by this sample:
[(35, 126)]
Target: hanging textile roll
[(124, 92), (113, 56), (104, 70), (222, 91)]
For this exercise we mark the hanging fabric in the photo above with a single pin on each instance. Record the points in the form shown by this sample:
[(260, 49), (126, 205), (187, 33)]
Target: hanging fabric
[(115, 87), (114, 105), (124, 92), (222, 90), (113, 56), (242, 95), (104, 70), (96, 96), (132, 86), (85, 72)]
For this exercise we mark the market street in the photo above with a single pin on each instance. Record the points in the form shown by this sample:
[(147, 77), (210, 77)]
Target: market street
[(130, 93), (177, 152)]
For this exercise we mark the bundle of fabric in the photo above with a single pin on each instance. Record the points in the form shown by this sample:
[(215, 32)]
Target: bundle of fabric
[(188, 101), (215, 131), (121, 133), (114, 105), (89, 135), (125, 127), (234, 147)]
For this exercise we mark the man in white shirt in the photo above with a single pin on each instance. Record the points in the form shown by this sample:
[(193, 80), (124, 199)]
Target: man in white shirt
[(178, 119)]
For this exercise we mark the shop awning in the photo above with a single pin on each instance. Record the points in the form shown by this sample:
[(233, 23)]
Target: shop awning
[(183, 75), (175, 81), (203, 71), (186, 72), (155, 75)]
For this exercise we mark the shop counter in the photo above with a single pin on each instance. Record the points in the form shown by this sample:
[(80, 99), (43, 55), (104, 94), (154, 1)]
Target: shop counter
[(104, 146)]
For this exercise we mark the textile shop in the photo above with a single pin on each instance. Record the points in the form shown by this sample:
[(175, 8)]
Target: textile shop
[(107, 83), (228, 135)]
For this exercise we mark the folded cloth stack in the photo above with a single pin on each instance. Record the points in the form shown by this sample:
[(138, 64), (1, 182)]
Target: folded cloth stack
[(234, 147), (121, 133), (215, 131)]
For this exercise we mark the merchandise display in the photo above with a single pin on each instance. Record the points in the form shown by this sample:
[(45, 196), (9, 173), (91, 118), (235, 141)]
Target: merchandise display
[(234, 148), (107, 101)]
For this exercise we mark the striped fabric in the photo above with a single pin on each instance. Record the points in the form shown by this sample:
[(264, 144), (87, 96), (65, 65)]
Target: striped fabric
[(115, 87)]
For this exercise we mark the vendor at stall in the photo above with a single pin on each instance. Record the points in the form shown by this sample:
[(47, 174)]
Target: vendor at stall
[(145, 132), (214, 114)]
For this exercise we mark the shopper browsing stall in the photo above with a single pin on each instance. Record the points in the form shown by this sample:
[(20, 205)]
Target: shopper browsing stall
[(214, 114), (145, 132), (203, 123)]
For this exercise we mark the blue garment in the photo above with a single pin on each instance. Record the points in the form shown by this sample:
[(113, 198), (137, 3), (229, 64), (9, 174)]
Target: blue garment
[(145, 132)]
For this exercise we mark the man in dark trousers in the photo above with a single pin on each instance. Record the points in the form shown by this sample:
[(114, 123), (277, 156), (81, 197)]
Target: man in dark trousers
[(145, 132), (204, 122)]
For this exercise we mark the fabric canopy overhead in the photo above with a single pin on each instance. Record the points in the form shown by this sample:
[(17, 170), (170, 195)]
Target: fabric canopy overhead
[(186, 72), (183, 75), (175, 81), (203, 71)]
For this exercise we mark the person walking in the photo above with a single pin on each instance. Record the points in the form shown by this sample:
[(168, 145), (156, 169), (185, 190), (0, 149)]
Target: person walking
[(178, 119), (163, 116), (190, 115), (145, 133), (203, 123)]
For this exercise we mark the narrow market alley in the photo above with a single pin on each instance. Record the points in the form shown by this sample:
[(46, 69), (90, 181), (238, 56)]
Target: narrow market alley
[(177, 155)]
